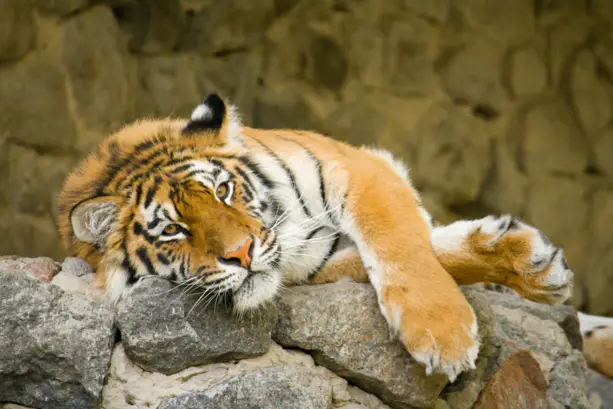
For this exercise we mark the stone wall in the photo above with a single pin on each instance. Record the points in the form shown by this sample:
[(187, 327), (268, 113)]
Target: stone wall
[(499, 106)]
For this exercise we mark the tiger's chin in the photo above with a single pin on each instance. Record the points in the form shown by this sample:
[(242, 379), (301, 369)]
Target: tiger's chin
[(257, 289)]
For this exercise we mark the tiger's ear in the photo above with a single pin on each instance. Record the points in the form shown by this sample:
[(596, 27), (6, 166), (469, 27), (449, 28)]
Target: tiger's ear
[(94, 219), (214, 117)]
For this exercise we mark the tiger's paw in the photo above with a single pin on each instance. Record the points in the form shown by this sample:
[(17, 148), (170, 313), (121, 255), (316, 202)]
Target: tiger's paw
[(439, 333), (535, 268)]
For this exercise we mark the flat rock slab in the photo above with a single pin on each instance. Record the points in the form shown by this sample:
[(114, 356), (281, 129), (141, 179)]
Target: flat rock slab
[(55, 347), (162, 331), (288, 387), (340, 324)]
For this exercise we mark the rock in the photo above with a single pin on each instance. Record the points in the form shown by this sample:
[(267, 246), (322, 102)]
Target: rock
[(352, 339), (326, 63), (528, 75), (79, 285), (36, 114), (518, 383), (16, 29), (550, 125), (563, 315), (228, 26), (602, 386), (60, 7), (600, 254), (97, 72), (283, 107), (569, 198), (472, 76), (505, 23), (268, 388), (171, 85), (42, 269), (507, 186), (30, 235), (76, 266), (454, 154), (154, 26), (55, 347), (591, 95), (129, 385), (603, 149), (31, 178), (437, 10), (568, 382), (162, 332), (410, 42)]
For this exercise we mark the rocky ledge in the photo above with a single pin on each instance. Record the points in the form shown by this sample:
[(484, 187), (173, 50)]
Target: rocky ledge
[(324, 346)]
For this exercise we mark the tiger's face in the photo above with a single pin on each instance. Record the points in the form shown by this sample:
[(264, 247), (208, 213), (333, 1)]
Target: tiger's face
[(182, 206)]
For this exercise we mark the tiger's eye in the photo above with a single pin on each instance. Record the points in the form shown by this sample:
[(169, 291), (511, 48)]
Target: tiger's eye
[(171, 229), (222, 191)]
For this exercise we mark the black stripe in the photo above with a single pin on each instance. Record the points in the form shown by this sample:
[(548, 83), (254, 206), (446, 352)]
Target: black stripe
[(322, 186), (153, 224), (149, 198), (331, 252), (139, 193), (163, 259), (128, 266), (141, 252), (181, 168), (257, 172), (245, 176), (291, 176), (313, 233)]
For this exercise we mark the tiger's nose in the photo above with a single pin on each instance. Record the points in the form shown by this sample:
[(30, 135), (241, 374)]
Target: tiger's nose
[(241, 256)]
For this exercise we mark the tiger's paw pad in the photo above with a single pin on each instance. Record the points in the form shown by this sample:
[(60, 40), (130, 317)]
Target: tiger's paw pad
[(538, 269)]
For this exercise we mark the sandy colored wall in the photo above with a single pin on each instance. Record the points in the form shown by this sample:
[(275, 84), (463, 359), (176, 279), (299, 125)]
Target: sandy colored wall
[(499, 106)]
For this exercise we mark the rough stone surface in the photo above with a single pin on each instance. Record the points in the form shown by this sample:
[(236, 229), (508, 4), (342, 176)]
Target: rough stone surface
[(270, 388), (353, 341), (174, 356), (603, 387), (518, 383), (55, 347), (453, 154), (130, 385), (164, 331), (16, 29)]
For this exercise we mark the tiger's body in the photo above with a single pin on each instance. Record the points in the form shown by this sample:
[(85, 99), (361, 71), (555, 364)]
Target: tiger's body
[(246, 211)]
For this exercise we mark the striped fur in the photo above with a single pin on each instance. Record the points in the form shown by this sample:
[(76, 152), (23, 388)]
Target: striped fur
[(243, 211)]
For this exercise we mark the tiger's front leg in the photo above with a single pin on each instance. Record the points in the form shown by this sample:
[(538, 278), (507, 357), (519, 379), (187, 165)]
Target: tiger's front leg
[(419, 299)]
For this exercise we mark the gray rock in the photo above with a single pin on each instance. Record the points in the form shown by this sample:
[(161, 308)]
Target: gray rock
[(603, 386), (76, 266), (162, 331), (342, 326), (568, 382), (565, 316), (55, 347), (291, 387)]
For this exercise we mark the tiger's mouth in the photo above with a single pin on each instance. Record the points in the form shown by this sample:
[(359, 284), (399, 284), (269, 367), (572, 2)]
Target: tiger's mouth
[(250, 285)]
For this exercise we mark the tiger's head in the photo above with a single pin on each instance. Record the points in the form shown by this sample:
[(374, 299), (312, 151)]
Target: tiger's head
[(177, 199)]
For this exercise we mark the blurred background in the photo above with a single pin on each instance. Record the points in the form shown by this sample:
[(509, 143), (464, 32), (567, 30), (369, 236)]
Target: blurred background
[(497, 105)]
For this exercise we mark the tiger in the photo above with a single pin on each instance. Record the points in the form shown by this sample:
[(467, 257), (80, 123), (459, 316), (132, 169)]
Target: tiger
[(245, 212)]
